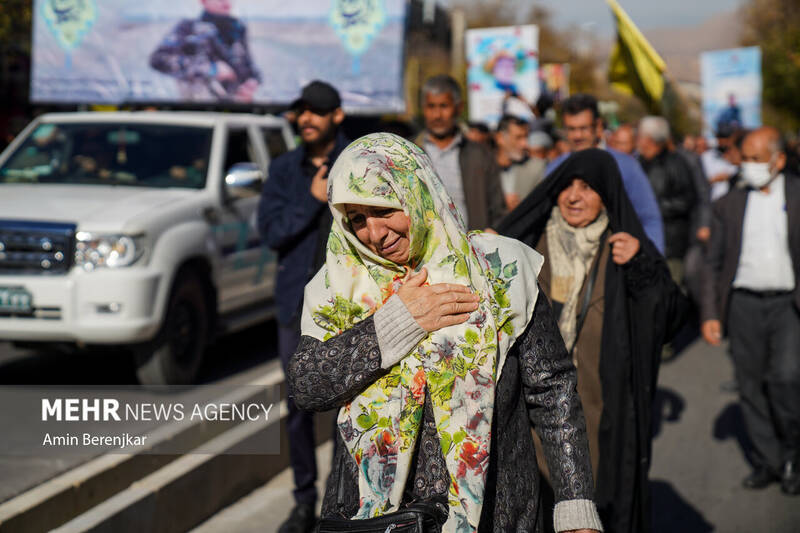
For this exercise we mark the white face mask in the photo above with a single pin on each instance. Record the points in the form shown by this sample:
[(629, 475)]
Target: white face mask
[(756, 175)]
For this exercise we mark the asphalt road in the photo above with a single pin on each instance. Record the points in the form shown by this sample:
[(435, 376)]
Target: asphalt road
[(699, 454), (698, 463), (231, 360)]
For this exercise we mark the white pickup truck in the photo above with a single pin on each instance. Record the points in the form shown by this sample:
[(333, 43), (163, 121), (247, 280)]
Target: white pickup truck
[(136, 230)]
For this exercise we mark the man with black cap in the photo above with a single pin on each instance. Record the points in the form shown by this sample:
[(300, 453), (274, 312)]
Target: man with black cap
[(294, 220)]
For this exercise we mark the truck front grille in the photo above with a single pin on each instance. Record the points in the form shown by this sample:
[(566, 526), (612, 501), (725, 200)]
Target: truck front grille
[(35, 247)]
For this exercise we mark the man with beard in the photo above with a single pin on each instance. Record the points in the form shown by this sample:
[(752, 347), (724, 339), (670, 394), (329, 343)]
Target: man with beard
[(520, 173), (209, 56), (468, 171), (294, 220)]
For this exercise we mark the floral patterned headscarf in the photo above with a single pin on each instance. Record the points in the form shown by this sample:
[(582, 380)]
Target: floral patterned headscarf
[(457, 367)]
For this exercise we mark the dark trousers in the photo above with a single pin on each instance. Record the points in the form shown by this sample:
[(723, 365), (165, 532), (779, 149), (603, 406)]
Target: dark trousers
[(764, 334), (300, 425)]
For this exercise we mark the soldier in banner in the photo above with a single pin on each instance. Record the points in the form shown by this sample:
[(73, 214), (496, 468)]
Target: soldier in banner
[(209, 56)]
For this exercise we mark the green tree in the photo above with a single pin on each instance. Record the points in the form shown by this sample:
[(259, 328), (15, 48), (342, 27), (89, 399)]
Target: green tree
[(15, 26), (774, 25), (15, 52)]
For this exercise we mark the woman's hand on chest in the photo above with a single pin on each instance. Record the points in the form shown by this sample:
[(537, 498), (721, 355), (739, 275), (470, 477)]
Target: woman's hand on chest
[(437, 306)]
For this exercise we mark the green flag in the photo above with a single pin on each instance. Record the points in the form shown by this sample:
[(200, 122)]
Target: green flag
[(635, 68)]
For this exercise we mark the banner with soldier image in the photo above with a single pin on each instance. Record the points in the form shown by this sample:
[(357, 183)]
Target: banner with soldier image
[(207, 51)]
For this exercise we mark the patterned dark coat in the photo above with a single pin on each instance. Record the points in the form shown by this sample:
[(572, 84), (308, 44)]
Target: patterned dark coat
[(536, 386)]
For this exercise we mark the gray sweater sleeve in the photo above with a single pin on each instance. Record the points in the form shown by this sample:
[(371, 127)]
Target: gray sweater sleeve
[(398, 332), (327, 374)]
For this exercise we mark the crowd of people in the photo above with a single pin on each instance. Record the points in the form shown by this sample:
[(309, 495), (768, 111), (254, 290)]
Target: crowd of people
[(488, 308)]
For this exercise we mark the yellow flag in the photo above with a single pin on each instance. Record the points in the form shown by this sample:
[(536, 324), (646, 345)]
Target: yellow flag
[(635, 67)]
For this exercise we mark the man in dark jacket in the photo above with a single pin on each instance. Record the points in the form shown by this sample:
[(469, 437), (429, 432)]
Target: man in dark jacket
[(750, 286), (294, 219), (701, 230), (673, 185), (467, 169)]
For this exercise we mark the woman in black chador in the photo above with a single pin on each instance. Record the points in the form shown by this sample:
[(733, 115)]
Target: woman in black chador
[(616, 306)]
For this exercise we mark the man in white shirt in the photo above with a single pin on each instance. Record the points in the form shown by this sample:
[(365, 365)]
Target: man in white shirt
[(750, 286), (717, 168)]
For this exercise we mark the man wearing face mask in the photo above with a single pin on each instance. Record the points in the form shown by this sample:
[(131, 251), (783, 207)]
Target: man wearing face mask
[(750, 288), (519, 174)]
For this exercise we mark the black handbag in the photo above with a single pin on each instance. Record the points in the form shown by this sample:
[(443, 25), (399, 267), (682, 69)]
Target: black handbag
[(417, 517)]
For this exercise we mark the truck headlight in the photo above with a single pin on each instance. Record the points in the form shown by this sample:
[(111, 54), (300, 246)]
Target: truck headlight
[(95, 250)]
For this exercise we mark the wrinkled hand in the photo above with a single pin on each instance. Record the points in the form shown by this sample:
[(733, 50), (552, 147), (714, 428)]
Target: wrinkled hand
[(703, 234), (436, 306), (490, 230), (623, 247), (712, 332), (319, 184)]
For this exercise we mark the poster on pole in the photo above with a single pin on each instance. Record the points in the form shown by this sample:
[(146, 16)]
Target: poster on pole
[(731, 88), (501, 62), (554, 80), (217, 51)]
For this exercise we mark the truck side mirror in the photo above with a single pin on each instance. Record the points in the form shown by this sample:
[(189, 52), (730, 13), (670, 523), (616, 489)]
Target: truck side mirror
[(243, 180)]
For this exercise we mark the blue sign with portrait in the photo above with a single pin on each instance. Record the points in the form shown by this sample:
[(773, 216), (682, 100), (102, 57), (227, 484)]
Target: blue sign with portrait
[(731, 81)]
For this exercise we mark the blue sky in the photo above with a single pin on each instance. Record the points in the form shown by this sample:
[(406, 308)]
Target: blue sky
[(645, 13)]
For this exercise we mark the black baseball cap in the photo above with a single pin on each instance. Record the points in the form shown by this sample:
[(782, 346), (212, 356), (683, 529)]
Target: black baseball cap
[(318, 96)]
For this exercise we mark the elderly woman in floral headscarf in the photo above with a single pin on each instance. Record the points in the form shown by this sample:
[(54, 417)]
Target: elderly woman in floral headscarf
[(439, 354)]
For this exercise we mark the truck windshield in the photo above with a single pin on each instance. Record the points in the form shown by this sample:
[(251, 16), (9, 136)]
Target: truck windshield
[(143, 155)]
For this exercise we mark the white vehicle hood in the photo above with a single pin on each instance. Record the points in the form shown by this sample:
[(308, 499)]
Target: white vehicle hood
[(91, 207)]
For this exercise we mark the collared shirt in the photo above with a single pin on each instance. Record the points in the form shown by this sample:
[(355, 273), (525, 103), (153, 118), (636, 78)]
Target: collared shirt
[(764, 262), (508, 181), (445, 161), (522, 177), (714, 164)]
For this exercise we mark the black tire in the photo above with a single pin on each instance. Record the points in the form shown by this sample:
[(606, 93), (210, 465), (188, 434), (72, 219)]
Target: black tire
[(174, 356)]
